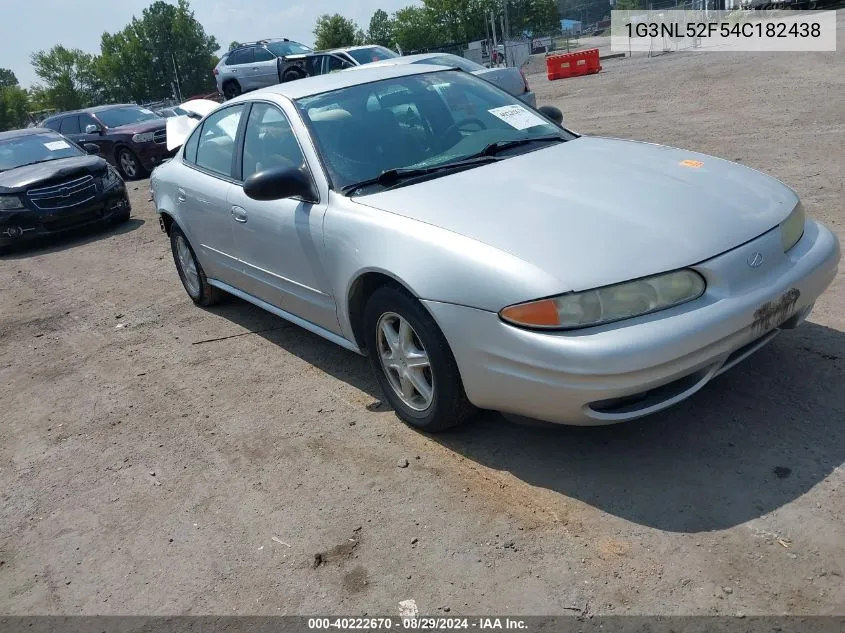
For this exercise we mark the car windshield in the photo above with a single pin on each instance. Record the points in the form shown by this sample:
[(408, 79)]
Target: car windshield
[(419, 121), (371, 54), (453, 61), (35, 148), (287, 48), (127, 115)]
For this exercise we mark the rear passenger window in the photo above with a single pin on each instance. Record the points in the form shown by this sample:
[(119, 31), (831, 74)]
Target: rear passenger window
[(216, 144), (53, 125), (70, 125), (240, 56), (191, 146)]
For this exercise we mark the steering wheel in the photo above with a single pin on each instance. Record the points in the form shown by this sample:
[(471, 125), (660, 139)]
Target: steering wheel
[(481, 125)]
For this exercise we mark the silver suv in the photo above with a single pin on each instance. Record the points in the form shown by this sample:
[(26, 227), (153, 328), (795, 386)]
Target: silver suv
[(256, 65)]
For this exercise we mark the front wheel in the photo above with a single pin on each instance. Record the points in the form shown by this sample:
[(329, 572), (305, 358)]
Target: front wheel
[(129, 165), (413, 363), (190, 272)]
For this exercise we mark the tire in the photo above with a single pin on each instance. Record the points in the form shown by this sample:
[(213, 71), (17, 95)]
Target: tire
[(292, 75), (231, 89), (195, 283), (447, 405), (129, 165)]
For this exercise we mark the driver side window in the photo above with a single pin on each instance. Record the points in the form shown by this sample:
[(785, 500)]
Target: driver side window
[(269, 141)]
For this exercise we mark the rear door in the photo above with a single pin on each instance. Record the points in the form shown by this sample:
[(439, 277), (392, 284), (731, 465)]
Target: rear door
[(202, 194), (70, 128), (238, 67)]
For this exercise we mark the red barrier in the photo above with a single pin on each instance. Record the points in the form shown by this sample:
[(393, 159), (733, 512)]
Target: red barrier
[(575, 64)]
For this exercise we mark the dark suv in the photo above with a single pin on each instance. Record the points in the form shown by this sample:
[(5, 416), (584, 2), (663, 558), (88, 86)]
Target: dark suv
[(130, 137)]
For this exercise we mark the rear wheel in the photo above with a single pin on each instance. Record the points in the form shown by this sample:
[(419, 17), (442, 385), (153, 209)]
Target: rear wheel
[(231, 89), (190, 272), (413, 363)]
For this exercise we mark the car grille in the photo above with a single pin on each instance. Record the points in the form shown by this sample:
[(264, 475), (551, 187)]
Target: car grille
[(160, 136), (71, 193)]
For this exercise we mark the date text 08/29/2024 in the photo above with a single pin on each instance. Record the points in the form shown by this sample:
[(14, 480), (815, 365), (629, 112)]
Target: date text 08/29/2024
[(416, 623)]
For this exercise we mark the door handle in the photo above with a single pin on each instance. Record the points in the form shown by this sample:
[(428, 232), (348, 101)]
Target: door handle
[(181, 197), (239, 214)]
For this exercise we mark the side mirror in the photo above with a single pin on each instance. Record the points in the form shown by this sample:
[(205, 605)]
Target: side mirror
[(92, 129), (91, 148), (553, 113), (345, 65), (279, 183)]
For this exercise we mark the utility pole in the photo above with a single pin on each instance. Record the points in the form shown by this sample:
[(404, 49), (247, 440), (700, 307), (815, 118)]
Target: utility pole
[(176, 76), (506, 34)]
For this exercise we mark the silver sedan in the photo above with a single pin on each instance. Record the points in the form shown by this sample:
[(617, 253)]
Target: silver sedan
[(481, 255), (508, 78)]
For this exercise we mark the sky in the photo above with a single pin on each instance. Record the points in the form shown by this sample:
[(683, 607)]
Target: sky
[(31, 25)]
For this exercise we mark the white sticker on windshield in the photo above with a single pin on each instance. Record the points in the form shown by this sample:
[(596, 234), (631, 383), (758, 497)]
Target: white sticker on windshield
[(146, 111), (55, 145), (517, 117)]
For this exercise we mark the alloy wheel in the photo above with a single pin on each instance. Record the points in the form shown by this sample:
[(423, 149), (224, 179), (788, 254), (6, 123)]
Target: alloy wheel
[(188, 266), (128, 164), (405, 361)]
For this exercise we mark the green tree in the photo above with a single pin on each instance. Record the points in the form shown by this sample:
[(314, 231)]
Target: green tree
[(233, 45), (381, 29), (69, 77), (145, 59), (334, 31), (415, 28), (14, 106), (7, 78)]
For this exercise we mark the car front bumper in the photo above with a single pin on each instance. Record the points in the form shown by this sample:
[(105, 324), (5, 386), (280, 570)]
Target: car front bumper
[(17, 227), (152, 155), (633, 368)]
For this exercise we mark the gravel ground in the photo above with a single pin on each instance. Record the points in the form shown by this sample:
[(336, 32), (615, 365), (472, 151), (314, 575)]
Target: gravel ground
[(147, 469)]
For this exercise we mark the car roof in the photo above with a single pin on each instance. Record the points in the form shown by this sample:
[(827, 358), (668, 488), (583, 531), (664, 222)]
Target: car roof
[(354, 48), (93, 110), (406, 59), (5, 136), (365, 74)]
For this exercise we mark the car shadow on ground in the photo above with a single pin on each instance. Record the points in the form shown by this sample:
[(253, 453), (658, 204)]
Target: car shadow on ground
[(753, 440), (71, 239)]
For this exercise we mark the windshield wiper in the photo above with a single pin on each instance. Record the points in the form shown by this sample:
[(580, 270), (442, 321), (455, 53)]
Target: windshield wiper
[(494, 148), (37, 162), (392, 177)]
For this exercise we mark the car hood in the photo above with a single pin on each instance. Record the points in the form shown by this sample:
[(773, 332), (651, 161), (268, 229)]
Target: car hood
[(142, 126), (15, 180), (596, 211)]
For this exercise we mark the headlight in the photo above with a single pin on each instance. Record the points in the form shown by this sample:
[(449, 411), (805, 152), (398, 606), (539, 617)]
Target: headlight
[(144, 137), (112, 178), (607, 304), (792, 228), (10, 203)]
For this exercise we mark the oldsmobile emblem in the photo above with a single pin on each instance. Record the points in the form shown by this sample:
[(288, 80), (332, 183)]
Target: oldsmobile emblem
[(755, 260)]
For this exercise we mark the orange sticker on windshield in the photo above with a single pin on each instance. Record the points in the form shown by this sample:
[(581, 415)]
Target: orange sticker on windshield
[(691, 163)]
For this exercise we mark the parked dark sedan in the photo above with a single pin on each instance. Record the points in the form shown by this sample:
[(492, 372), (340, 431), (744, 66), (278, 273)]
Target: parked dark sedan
[(49, 184), (130, 137)]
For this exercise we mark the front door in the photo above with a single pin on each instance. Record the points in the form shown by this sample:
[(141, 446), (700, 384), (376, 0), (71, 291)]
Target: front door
[(280, 242), (203, 194)]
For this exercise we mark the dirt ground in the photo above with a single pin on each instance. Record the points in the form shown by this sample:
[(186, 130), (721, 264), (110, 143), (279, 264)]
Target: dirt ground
[(144, 470)]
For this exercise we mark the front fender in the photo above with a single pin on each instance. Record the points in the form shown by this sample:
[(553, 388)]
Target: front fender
[(432, 263)]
